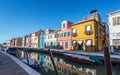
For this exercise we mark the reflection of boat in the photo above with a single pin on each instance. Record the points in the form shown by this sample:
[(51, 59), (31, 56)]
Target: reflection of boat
[(31, 62), (79, 58)]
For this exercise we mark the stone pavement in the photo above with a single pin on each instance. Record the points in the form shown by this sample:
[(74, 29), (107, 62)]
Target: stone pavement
[(8, 66)]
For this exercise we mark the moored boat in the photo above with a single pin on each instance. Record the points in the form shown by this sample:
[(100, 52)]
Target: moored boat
[(79, 58)]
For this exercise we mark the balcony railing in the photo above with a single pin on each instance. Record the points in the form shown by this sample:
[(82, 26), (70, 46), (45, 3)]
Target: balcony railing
[(88, 32)]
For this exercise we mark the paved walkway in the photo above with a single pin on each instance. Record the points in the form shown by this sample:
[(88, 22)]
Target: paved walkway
[(10, 66)]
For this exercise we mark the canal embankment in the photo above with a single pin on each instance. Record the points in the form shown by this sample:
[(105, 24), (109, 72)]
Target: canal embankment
[(10, 65), (115, 58)]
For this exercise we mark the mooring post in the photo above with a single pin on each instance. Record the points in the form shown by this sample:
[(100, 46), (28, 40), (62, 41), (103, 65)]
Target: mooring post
[(51, 56), (27, 56), (18, 53), (107, 61)]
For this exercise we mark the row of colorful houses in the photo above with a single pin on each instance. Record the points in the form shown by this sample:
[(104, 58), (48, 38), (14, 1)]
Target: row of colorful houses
[(89, 34)]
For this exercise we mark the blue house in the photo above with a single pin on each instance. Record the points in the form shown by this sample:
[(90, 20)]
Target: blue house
[(41, 42)]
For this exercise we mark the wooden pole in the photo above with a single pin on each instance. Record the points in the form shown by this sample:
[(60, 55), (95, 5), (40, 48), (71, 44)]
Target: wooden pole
[(107, 61), (18, 54), (51, 56), (27, 56)]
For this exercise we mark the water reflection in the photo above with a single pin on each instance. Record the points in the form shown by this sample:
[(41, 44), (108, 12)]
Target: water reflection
[(65, 66)]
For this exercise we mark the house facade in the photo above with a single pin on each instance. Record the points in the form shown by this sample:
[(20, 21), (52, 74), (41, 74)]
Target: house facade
[(41, 38), (33, 40), (12, 42), (49, 38), (64, 36), (89, 34), (114, 30), (18, 41), (23, 38), (8, 42), (37, 38)]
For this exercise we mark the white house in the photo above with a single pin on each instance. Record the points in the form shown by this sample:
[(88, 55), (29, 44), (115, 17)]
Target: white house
[(8, 42), (33, 38), (50, 38), (114, 30)]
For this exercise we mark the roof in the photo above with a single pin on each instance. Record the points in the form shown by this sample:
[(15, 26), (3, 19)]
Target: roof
[(113, 13), (85, 20), (55, 31)]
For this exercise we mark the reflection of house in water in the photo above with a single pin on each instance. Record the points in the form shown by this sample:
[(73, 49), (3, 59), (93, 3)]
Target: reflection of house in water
[(48, 63), (33, 56), (83, 71), (21, 53), (67, 69), (41, 59), (90, 71), (63, 67)]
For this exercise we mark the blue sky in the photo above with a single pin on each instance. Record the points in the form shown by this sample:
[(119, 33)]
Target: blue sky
[(21, 17)]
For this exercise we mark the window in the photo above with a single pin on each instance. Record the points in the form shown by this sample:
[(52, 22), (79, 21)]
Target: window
[(51, 36), (65, 34), (116, 20), (66, 44), (89, 42), (61, 34), (88, 28), (116, 43), (63, 25), (74, 30), (68, 33), (56, 35), (48, 36), (62, 43)]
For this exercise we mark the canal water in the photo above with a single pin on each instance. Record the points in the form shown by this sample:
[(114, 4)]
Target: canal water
[(65, 66)]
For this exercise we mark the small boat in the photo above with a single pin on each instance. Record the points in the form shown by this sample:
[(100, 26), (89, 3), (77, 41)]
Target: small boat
[(31, 62), (79, 58), (12, 51), (96, 59)]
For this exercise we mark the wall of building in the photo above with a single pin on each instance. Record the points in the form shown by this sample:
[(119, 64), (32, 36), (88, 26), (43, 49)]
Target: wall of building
[(41, 42), (114, 30), (64, 36), (33, 40)]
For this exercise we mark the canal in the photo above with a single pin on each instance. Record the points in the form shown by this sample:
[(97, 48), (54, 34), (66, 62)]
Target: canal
[(67, 67)]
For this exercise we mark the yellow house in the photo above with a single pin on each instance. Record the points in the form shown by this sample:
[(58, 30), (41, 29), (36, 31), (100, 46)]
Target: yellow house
[(89, 34)]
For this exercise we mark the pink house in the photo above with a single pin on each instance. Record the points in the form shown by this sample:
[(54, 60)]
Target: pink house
[(64, 36)]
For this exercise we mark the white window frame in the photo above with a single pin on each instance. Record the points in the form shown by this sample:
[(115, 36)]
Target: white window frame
[(74, 30), (88, 28)]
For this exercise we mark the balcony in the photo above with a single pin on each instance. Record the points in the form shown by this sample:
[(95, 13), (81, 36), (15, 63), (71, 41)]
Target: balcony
[(74, 34), (88, 32)]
